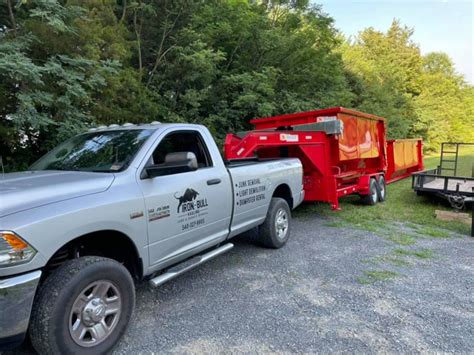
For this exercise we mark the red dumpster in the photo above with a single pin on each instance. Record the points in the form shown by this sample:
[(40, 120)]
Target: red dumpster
[(341, 151)]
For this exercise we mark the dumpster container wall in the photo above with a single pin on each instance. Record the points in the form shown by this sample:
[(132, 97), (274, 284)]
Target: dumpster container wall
[(404, 157)]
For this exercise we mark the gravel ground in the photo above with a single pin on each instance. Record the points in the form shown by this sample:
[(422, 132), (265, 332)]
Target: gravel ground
[(309, 297)]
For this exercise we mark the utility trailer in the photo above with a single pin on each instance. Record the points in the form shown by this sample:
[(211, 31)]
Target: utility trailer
[(343, 152), (448, 180)]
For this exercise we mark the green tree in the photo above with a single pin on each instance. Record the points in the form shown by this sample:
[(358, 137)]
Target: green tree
[(444, 106), (105, 34), (382, 69), (49, 85), (237, 60), (419, 95)]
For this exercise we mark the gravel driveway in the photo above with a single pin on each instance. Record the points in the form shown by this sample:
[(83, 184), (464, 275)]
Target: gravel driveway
[(314, 296)]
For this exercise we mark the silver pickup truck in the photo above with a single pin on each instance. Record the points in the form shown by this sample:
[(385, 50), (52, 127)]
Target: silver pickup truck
[(120, 204)]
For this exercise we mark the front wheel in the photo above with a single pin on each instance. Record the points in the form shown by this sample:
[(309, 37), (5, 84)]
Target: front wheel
[(84, 306), (275, 231)]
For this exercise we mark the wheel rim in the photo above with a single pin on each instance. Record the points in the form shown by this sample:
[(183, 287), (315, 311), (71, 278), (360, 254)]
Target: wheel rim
[(281, 223), (95, 313), (374, 195), (382, 187)]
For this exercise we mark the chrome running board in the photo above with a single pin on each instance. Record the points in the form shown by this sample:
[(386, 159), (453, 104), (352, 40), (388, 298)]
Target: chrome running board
[(188, 265)]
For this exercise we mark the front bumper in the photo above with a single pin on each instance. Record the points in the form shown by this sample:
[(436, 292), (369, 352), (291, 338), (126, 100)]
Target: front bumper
[(16, 298)]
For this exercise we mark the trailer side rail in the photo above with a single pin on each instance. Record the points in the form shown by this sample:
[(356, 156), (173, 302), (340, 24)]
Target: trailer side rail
[(430, 180)]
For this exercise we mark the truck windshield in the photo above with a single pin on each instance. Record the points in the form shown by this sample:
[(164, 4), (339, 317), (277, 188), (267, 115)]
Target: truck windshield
[(107, 151)]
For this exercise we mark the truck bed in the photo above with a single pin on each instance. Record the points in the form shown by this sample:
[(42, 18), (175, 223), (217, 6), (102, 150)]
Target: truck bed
[(254, 182)]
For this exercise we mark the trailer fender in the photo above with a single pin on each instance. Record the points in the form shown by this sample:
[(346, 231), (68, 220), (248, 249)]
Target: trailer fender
[(364, 183)]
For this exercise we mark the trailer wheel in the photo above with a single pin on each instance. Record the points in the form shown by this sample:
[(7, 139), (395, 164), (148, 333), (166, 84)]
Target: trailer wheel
[(83, 307), (275, 231), (373, 196), (382, 189)]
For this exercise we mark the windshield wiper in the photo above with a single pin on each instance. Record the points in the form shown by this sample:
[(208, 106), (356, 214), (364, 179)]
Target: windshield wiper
[(59, 169)]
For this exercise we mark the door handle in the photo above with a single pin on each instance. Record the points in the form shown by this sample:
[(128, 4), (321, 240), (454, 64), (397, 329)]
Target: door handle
[(213, 181)]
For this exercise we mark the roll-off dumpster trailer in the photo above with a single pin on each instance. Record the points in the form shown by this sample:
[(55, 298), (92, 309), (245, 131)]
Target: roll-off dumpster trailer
[(343, 151)]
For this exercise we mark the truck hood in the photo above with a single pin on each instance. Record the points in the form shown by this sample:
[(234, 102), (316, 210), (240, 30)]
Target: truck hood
[(30, 189)]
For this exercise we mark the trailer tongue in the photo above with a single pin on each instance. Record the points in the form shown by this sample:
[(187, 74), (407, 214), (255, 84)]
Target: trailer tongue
[(342, 151)]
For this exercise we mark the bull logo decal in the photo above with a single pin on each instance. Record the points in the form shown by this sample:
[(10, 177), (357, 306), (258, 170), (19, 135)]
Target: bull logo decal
[(188, 196)]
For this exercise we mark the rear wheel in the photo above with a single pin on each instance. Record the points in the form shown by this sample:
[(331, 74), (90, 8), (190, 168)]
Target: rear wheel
[(382, 189), (373, 196), (275, 231), (84, 306)]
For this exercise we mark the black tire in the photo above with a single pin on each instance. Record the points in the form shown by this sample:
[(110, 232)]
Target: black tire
[(52, 312), (269, 232), (382, 189), (372, 198)]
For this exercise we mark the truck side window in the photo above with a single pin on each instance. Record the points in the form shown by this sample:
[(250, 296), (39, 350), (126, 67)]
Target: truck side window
[(188, 141)]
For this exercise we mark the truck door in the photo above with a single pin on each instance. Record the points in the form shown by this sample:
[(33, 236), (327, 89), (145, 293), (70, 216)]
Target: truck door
[(188, 211)]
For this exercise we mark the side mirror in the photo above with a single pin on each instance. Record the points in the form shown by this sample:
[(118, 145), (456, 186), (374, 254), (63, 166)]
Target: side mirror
[(175, 163)]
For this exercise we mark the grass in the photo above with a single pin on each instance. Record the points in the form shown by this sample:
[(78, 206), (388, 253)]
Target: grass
[(421, 253), (394, 260), (402, 239), (402, 206), (433, 232), (376, 275), (397, 261)]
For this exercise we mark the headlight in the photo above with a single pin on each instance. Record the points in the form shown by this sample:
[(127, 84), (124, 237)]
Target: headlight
[(14, 250)]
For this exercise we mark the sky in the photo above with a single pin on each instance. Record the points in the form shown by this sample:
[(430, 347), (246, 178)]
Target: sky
[(440, 25)]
